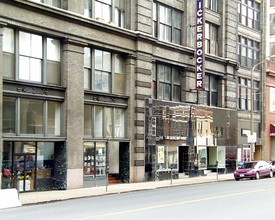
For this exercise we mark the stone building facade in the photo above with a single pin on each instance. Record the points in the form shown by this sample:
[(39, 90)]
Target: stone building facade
[(96, 88)]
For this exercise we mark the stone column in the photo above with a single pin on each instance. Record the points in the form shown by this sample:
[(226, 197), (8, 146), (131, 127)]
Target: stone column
[(72, 65)]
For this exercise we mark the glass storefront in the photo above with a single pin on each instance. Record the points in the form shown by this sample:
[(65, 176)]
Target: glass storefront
[(31, 166), (102, 156), (95, 157), (188, 138)]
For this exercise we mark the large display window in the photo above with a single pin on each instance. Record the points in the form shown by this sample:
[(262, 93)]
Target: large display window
[(29, 165), (202, 158), (95, 157), (167, 157)]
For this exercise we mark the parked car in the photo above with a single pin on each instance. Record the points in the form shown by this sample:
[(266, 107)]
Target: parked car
[(272, 164), (254, 170)]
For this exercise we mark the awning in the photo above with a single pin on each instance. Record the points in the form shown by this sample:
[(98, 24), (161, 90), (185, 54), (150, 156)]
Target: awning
[(272, 129)]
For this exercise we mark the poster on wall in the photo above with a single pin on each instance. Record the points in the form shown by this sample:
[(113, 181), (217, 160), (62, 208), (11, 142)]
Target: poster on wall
[(161, 154)]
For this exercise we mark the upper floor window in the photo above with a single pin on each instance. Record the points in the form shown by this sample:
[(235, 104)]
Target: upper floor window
[(248, 52), (244, 94), (104, 71), (210, 90), (166, 83), (29, 116), (272, 48), (256, 92), (211, 39), (249, 13), (272, 24), (272, 3), (167, 23), (37, 58), (211, 4), (107, 10), (102, 121), (55, 3)]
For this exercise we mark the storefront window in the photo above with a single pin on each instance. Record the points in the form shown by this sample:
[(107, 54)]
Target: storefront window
[(31, 116), (119, 122), (221, 157), (173, 157), (110, 122), (54, 121), (94, 158), (33, 165), (161, 162), (8, 115), (88, 118), (202, 158), (89, 157), (24, 163), (99, 121), (7, 166), (94, 167), (45, 160), (100, 159)]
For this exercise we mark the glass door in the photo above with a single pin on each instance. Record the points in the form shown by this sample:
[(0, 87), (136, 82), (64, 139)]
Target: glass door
[(24, 172), (100, 159), (24, 164)]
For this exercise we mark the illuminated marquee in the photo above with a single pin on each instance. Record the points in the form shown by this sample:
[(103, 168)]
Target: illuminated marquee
[(200, 44)]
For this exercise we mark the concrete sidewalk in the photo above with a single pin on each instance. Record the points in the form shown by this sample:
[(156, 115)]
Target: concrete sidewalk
[(30, 198)]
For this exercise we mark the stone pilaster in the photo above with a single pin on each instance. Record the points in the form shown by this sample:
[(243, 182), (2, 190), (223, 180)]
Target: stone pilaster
[(74, 110)]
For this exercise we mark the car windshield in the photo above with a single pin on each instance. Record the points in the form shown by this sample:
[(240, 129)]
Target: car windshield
[(248, 165)]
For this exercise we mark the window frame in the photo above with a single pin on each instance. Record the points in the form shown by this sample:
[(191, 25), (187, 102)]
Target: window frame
[(244, 93), (115, 72), (44, 120), (172, 31), (211, 38), (252, 8), (98, 128), (48, 66), (211, 5), (256, 94), (117, 11), (211, 90), (248, 46), (53, 3), (168, 82)]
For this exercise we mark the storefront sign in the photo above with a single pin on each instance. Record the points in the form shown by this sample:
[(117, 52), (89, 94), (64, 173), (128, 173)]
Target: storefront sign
[(200, 44), (139, 163)]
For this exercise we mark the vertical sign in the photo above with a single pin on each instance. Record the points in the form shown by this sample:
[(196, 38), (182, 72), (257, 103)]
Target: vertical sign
[(200, 45)]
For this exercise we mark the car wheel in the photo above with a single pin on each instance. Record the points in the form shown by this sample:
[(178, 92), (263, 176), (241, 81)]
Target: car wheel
[(270, 173), (237, 179), (257, 176)]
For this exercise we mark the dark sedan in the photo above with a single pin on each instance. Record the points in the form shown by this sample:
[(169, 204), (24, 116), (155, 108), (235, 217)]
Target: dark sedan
[(254, 170)]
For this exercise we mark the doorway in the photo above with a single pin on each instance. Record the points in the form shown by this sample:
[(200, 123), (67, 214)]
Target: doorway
[(183, 159), (24, 171)]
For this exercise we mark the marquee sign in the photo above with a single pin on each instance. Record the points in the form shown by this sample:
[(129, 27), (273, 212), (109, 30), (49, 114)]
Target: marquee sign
[(200, 44)]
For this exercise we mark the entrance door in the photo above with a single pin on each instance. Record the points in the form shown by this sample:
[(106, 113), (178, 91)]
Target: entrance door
[(183, 159), (24, 171)]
